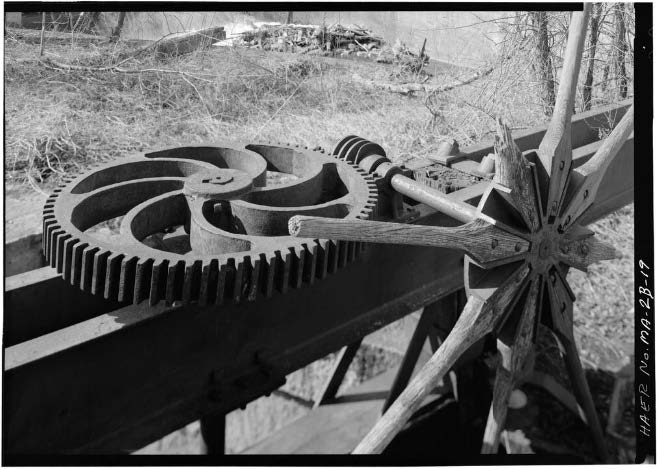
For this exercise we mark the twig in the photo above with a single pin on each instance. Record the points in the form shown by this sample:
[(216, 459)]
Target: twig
[(278, 110), (43, 32), (113, 68)]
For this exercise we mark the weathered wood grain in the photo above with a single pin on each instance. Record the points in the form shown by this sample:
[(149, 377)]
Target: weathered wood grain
[(514, 172), (555, 148), (585, 181), (582, 253), (514, 352), (478, 319), (484, 242)]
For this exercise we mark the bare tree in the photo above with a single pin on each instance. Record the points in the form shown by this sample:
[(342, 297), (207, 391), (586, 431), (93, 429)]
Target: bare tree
[(544, 69), (619, 51), (116, 32), (593, 40)]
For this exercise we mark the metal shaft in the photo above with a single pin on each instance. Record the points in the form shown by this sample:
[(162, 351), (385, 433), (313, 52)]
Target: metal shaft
[(433, 198)]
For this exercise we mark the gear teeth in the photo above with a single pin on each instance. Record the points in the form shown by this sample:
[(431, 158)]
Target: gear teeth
[(54, 232), (158, 277), (342, 254), (333, 257), (143, 272), (297, 258), (270, 264), (127, 279), (191, 282), (310, 263), (67, 267), (76, 265), (98, 276), (222, 275), (351, 251), (112, 276), (254, 279), (208, 288), (238, 282), (283, 268), (48, 221), (323, 261), (174, 285), (87, 269), (59, 258)]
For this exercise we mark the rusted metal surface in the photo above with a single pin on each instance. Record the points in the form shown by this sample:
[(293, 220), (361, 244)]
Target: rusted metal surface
[(234, 245)]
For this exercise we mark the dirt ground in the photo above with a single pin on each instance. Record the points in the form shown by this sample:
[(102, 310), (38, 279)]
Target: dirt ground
[(58, 121)]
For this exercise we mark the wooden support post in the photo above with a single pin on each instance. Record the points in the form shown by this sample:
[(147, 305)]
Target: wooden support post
[(343, 361), (213, 434)]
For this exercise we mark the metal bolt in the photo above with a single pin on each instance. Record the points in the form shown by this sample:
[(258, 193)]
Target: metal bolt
[(494, 243), (564, 248), (553, 279), (561, 164), (585, 194), (566, 222), (584, 249), (554, 206), (517, 247), (564, 307)]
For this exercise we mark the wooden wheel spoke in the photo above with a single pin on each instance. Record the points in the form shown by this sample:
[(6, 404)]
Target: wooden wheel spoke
[(561, 300), (582, 392), (586, 180), (555, 148), (582, 253), (481, 240), (514, 172), (478, 318), (515, 349)]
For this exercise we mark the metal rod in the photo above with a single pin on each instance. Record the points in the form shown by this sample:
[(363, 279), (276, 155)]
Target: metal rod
[(437, 200)]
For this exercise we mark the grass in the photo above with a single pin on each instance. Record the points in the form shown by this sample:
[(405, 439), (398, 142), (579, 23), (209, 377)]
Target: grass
[(58, 121)]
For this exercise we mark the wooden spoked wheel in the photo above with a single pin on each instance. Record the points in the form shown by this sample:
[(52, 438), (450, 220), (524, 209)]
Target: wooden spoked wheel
[(519, 245)]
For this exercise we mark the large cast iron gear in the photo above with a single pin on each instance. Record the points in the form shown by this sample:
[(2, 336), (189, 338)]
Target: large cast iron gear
[(236, 220)]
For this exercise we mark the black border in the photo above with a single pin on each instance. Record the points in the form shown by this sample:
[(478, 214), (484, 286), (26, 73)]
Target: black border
[(643, 218)]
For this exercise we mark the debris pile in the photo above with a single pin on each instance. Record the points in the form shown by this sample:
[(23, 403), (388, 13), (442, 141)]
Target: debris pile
[(334, 40)]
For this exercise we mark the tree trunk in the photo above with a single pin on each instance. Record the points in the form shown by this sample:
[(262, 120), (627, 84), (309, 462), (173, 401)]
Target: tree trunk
[(289, 20), (593, 40), (116, 32), (619, 51), (545, 64)]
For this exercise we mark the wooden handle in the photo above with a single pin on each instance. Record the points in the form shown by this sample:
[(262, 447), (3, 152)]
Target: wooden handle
[(585, 180), (555, 148), (482, 241)]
